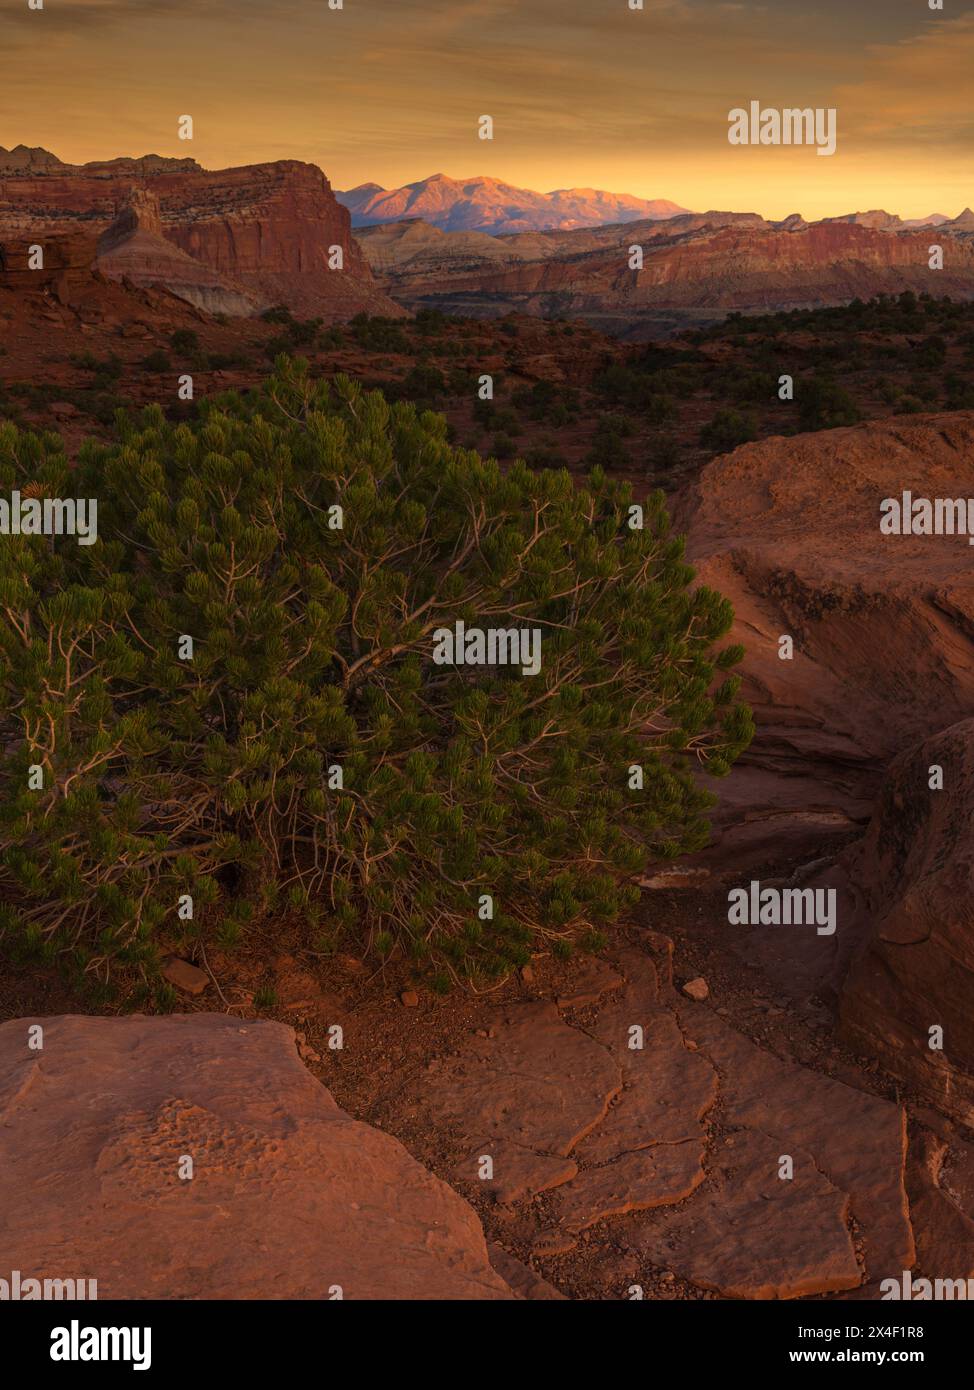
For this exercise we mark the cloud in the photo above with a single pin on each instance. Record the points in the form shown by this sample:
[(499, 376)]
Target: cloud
[(915, 91)]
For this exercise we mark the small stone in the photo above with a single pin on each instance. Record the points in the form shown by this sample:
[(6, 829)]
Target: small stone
[(697, 989), (675, 878), (527, 975), (185, 976), (409, 998)]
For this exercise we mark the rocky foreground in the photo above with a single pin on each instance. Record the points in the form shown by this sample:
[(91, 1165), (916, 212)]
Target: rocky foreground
[(195, 1157)]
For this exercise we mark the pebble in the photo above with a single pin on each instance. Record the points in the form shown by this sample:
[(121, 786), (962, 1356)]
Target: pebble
[(697, 989), (184, 976)]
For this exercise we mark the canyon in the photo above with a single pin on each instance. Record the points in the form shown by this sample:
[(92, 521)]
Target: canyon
[(241, 241), (696, 267)]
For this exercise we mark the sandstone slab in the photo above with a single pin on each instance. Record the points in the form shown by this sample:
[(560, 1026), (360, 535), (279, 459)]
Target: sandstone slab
[(655, 1177), (289, 1196), (756, 1235), (537, 1083), (858, 1141)]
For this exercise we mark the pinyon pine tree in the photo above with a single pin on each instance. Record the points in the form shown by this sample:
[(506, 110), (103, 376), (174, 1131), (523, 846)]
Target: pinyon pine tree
[(302, 751)]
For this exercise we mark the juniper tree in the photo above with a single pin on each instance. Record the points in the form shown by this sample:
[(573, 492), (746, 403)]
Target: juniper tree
[(233, 698)]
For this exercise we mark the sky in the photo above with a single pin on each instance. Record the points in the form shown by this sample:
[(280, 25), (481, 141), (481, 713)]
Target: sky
[(583, 93)]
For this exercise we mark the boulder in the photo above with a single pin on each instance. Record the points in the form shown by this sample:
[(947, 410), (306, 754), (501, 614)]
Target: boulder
[(194, 1157)]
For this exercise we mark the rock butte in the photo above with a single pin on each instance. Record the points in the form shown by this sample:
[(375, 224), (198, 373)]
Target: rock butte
[(250, 237)]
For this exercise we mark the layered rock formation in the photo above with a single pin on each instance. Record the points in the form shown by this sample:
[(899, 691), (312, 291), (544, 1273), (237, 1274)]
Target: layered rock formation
[(195, 1157), (881, 678), (134, 249), (266, 229), (883, 626), (696, 268)]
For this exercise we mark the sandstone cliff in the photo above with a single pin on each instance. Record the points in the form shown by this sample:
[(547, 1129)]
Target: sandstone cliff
[(696, 268), (267, 228), (134, 249)]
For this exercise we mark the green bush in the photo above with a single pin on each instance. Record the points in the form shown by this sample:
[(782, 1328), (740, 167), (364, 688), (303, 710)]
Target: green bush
[(727, 429), (157, 362), (824, 405), (184, 341), (312, 649)]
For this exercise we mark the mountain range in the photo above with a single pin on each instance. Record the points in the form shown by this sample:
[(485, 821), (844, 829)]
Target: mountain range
[(488, 205)]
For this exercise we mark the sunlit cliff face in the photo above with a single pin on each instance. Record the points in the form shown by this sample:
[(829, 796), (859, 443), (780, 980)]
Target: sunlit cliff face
[(581, 94)]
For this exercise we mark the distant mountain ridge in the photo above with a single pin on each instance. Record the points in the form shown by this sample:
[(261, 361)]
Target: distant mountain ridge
[(484, 204)]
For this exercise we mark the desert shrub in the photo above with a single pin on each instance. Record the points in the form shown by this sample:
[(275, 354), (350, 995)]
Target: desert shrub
[(727, 429), (184, 341), (824, 405), (430, 321), (105, 373), (156, 361), (664, 452), (423, 382), (379, 334), (167, 777), (503, 446)]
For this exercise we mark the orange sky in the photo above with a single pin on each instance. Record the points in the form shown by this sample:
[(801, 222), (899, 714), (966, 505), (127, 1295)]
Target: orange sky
[(582, 92)]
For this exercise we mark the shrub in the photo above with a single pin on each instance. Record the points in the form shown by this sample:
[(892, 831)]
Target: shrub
[(184, 341), (824, 405), (156, 362), (424, 382), (727, 429), (167, 778)]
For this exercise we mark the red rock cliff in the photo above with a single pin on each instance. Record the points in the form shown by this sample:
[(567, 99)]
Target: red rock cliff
[(267, 227)]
